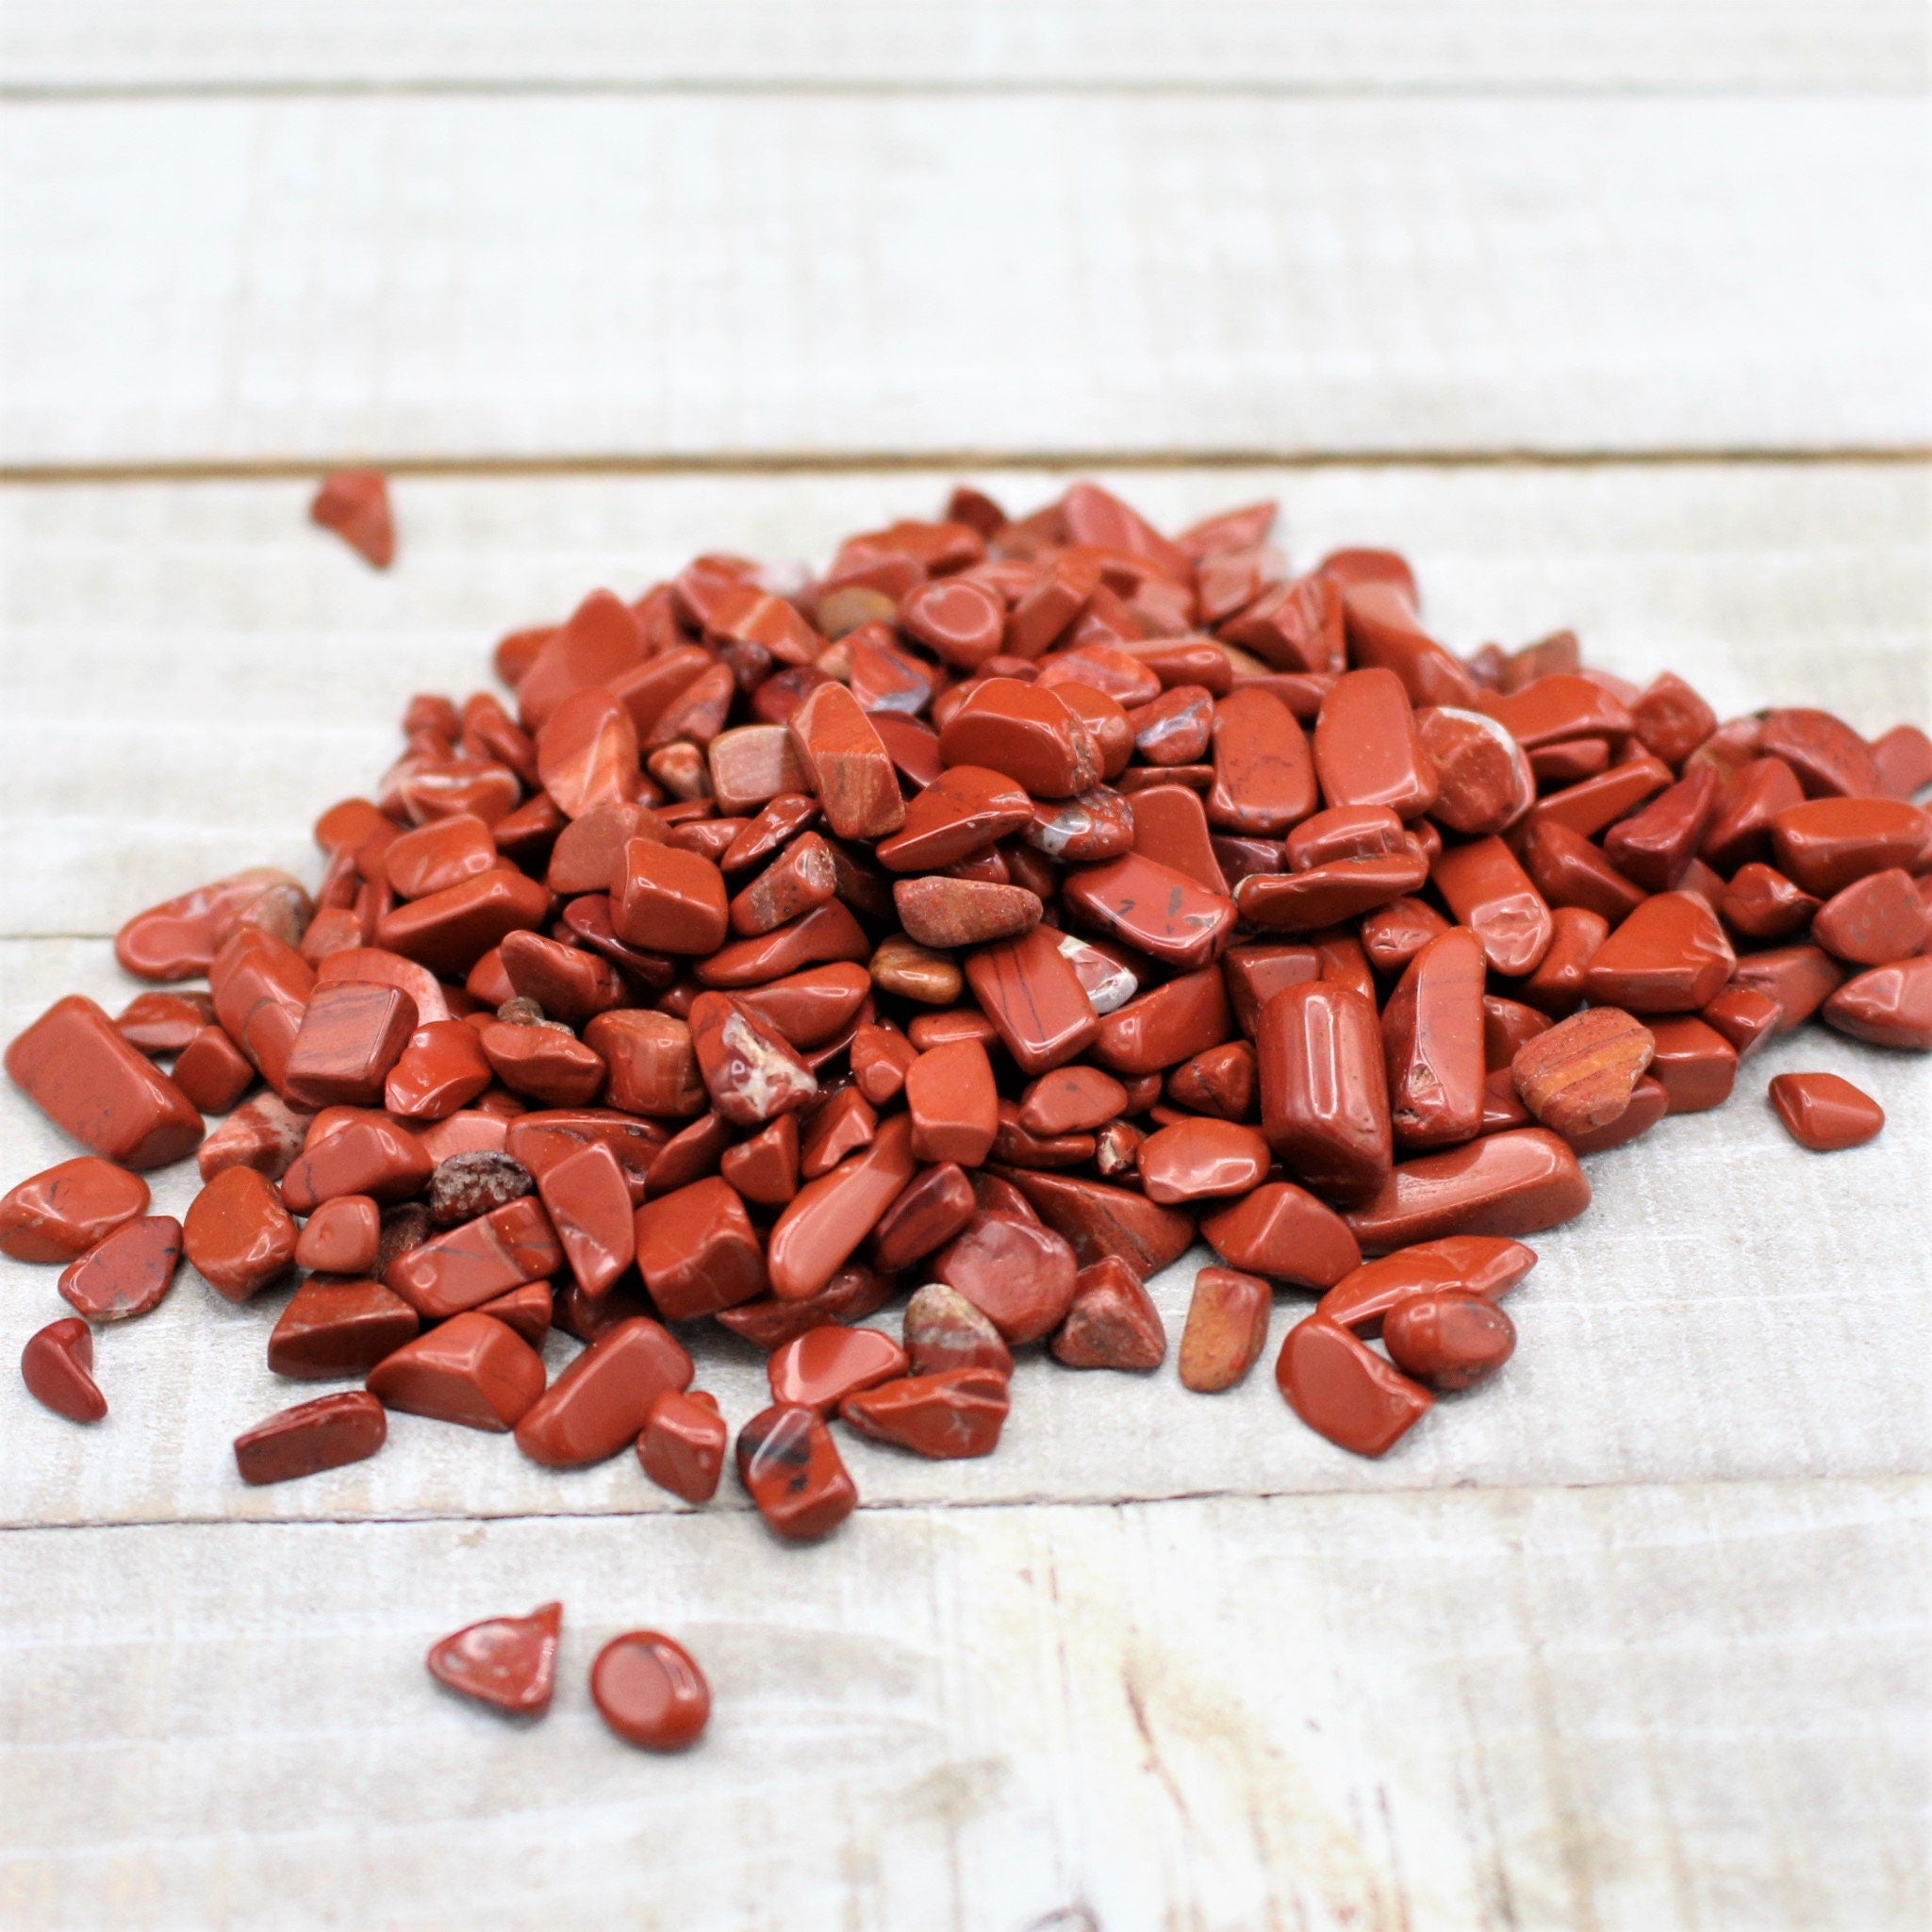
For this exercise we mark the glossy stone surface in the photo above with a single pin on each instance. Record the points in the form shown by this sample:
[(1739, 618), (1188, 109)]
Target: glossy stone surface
[(1029, 990), (1071, 1099), (509, 1662), (1491, 894), (83, 1075), (350, 1036), (818, 1369), (1265, 776), (64, 1210), (1227, 1328), (602, 1401), (649, 1690), (1024, 733), (449, 930), (1825, 1112), (341, 1237), (1344, 1391), (847, 765), (945, 1333), (1873, 921), (1475, 1264), (682, 1446), (954, 1104), (1450, 1338), (1282, 1231), (1100, 1221), (1693, 1062), (1324, 1108), (326, 1433), (477, 1261), (127, 1273), (1113, 1322), (238, 1235), (791, 1469), (1888, 1006), (1201, 1158), (1018, 1274), (947, 1415), (589, 1209), (1580, 1074), (179, 938), (697, 1251), (545, 1063), (1153, 909), (1432, 1043), (334, 1327), (370, 1155), (1484, 784), (962, 812), (1509, 1183), (1824, 844), (1669, 956), (669, 900), (265, 1133), (57, 1365), (471, 1370), (1367, 748)]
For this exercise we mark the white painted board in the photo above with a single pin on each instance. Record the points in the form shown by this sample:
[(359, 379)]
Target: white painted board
[(1373, 45), (699, 276)]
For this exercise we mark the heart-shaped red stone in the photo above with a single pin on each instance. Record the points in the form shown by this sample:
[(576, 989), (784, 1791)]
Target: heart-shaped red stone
[(508, 1661)]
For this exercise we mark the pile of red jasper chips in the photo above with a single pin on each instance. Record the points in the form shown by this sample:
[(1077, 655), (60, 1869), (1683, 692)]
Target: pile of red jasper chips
[(987, 917)]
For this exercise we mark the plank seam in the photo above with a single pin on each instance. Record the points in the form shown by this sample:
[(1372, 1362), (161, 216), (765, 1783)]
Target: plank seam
[(858, 462), (737, 1508)]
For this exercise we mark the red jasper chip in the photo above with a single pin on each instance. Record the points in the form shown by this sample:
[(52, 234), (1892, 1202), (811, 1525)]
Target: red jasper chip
[(470, 1370), (682, 1446), (1227, 1328), (818, 1369), (509, 1662), (949, 1416), (944, 1332), (1344, 1391), (648, 1690), (342, 1237), (602, 1401), (354, 503), (1020, 1276), (238, 1235), (589, 1209), (334, 1327), (63, 1211), (127, 1273), (327, 1434), (792, 1471), (1450, 1339), (57, 1364), (1825, 1112), (1113, 1322)]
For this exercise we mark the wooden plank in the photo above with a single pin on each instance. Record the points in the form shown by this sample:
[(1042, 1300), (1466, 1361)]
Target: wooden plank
[(193, 673), (1147, 44), (1712, 1317), (703, 276), (1614, 1708)]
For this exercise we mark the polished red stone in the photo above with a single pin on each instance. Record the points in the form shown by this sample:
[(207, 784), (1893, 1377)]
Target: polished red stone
[(953, 1103), (589, 1209), (602, 1401), (1506, 1184), (238, 1235), (1490, 893), (1282, 1230), (1324, 1106), (1344, 1391), (1029, 990), (341, 1237), (1112, 1323), (1027, 734), (1154, 909), (1227, 1328), (1448, 1338), (313, 1436), (1826, 842), (477, 1262), (949, 1416), (127, 1273), (179, 938), (682, 1446), (1202, 1159), (1693, 1062), (354, 503), (510, 1662), (1432, 1043), (792, 1471), (962, 812), (847, 764), (1669, 956), (818, 1369), (945, 1331), (471, 1370), (212, 1072), (1367, 748), (333, 1328), (368, 1155), (1580, 1074), (1018, 1274), (58, 1363), (1100, 1220), (1888, 1006), (83, 1075), (1823, 1112), (1871, 922), (350, 1036), (64, 1210), (1476, 1263), (648, 1690)]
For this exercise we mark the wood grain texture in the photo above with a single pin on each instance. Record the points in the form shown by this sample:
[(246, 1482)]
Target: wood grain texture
[(703, 277), (1620, 1710), (1370, 44)]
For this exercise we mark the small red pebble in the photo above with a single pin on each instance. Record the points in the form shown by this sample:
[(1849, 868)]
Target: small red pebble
[(791, 1468), (62, 1211), (1450, 1339), (822, 1367), (508, 1661), (55, 1365), (1824, 1112), (1345, 1391), (649, 1690), (949, 1416), (128, 1273), (354, 503), (1113, 1322), (682, 1446), (311, 1437)]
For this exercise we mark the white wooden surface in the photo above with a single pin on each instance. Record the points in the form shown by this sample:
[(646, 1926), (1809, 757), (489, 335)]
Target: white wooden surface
[(1635, 1639), (1374, 45), (695, 277)]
